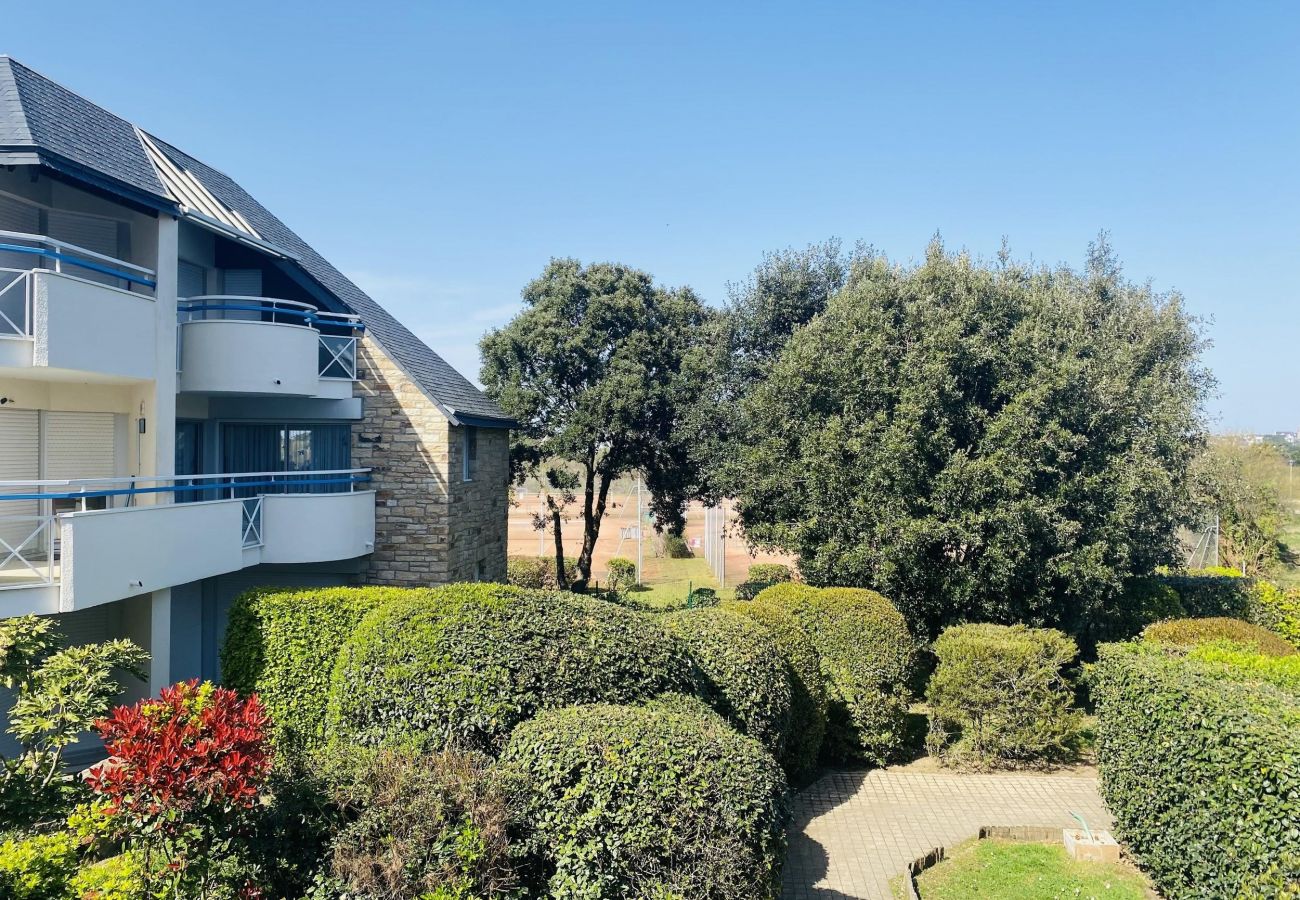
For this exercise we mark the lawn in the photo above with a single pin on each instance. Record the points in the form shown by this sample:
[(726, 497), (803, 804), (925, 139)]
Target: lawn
[(1011, 870), (667, 581)]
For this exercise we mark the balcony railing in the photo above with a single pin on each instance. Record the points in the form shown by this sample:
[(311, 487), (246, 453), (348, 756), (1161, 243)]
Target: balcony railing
[(47, 254), (30, 510), (337, 332)]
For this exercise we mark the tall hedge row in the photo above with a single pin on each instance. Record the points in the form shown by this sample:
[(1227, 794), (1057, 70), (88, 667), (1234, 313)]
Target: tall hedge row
[(1201, 771), (465, 663), (866, 654), (283, 644)]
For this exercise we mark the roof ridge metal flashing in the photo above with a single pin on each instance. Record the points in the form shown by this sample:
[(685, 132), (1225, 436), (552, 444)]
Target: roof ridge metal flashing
[(187, 190)]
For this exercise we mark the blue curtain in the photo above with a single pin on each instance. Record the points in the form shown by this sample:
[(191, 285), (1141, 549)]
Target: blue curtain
[(309, 446)]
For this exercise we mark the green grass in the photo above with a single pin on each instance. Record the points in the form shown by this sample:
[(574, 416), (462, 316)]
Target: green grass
[(1010, 870), (666, 582)]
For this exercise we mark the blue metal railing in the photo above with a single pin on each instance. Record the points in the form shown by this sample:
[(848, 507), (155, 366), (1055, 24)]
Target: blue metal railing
[(60, 257), (304, 313), (287, 482)]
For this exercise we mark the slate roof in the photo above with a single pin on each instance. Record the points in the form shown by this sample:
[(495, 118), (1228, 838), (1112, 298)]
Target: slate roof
[(43, 122)]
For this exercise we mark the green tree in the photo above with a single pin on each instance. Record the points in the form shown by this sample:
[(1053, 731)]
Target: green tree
[(979, 441), (784, 292), (597, 370), (1242, 483)]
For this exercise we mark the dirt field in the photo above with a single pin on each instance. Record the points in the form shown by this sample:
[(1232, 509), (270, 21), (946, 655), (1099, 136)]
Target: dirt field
[(620, 515)]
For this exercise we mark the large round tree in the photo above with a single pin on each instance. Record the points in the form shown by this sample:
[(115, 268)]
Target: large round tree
[(979, 441), (598, 369)]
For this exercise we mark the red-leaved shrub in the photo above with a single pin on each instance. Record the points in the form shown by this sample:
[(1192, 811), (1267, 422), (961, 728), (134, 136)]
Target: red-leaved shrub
[(183, 772)]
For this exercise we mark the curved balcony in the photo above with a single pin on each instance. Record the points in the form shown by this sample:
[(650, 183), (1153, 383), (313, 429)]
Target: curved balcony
[(257, 345)]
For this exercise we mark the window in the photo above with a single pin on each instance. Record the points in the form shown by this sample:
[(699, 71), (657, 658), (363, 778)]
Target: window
[(301, 447), (469, 453)]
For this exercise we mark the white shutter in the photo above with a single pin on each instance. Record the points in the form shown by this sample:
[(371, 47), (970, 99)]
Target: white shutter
[(242, 282), (87, 232), (80, 445), (20, 460)]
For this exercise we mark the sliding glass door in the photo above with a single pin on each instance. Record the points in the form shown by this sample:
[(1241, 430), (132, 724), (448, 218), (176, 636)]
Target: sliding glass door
[(275, 447)]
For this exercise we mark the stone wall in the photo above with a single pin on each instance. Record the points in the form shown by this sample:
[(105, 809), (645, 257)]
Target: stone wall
[(430, 526)]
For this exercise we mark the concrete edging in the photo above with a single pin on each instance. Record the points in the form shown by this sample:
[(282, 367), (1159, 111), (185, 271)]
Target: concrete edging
[(1032, 834)]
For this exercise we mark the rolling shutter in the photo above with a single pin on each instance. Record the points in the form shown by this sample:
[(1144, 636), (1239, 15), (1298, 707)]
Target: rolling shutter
[(191, 280), (242, 282), (87, 232), (15, 215), (80, 445), (20, 460)]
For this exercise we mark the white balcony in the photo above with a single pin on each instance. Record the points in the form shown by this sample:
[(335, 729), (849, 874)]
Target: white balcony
[(262, 346), (75, 313), (62, 561)]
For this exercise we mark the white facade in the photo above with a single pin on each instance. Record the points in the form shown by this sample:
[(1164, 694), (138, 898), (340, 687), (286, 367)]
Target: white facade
[(102, 344)]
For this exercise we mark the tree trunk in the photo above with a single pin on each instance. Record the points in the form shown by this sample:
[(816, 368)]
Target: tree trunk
[(561, 576), (593, 514)]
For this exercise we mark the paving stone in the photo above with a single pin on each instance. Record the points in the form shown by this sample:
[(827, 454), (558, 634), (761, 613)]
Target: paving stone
[(853, 831)]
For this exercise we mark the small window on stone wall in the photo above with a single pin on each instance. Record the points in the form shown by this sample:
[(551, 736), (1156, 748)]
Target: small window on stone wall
[(480, 571), (469, 453)]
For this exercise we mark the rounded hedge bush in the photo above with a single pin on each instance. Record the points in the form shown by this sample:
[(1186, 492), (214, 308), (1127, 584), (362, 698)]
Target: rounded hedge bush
[(807, 686), (536, 572), (741, 672), (772, 573), (464, 664), (660, 800), (1194, 632), (1000, 695), (866, 654), (282, 646)]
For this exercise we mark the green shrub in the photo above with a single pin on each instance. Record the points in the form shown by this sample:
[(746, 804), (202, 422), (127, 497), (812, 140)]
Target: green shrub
[(702, 597), (536, 572), (424, 824), (463, 664), (116, 878), (622, 574), (1277, 609), (1000, 695), (38, 867), (675, 547), (662, 800), (807, 686), (1202, 772), (1192, 632), (772, 573), (741, 672), (866, 657), (282, 645), (748, 590), (1204, 593)]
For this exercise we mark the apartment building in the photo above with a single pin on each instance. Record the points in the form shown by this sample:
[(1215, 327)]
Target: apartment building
[(193, 402)]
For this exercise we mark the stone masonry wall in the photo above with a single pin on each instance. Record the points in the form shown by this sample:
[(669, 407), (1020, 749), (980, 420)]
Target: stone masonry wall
[(430, 528)]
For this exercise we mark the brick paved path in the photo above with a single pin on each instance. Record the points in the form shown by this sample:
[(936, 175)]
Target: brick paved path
[(854, 831)]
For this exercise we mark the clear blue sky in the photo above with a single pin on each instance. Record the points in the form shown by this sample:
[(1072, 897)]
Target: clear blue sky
[(440, 153)]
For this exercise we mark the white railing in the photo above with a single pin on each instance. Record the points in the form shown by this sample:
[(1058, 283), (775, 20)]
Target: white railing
[(64, 258), (16, 303), (29, 545)]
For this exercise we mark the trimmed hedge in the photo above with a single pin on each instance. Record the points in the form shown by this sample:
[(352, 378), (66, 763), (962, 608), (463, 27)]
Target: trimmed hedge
[(866, 656), (282, 646), (772, 573), (807, 686), (463, 664), (741, 672), (1194, 632), (1000, 695), (1201, 772), (536, 572), (653, 801)]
